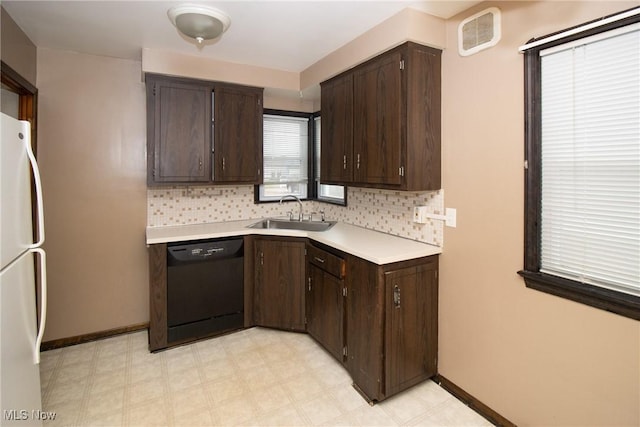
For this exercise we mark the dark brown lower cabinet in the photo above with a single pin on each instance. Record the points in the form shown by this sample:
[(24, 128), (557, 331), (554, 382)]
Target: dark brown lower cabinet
[(392, 324), (325, 300), (278, 295), (380, 321), (411, 329), (158, 297)]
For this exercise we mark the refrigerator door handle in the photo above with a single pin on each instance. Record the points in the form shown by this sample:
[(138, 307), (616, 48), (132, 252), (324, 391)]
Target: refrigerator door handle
[(43, 302), (38, 185)]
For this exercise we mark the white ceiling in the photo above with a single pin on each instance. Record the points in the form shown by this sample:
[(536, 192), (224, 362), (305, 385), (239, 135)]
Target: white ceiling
[(284, 35)]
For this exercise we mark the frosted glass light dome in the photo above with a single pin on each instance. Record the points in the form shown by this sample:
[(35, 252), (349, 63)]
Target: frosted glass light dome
[(199, 22)]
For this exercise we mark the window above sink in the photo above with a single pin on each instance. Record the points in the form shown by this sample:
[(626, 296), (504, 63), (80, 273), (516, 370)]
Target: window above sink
[(291, 147)]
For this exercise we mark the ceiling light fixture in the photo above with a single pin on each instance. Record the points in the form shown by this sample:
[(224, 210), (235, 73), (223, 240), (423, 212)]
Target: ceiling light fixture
[(199, 22)]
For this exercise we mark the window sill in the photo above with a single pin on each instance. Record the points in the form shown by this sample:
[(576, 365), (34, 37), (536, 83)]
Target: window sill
[(605, 299), (337, 202)]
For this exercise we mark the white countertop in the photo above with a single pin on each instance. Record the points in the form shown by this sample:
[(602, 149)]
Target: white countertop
[(379, 248)]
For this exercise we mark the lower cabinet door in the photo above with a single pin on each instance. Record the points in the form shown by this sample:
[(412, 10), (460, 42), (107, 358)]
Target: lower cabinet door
[(279, 284), (325, 310), (364, 327), (411, 326)]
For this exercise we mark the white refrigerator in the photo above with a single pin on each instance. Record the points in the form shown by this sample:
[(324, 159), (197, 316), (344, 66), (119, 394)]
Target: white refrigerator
[(20, 330)]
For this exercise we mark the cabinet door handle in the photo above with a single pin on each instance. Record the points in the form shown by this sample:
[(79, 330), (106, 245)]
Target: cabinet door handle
[(344, 162), (358, 162), (199, 163), (320, 260), (396, 296), (261, 258), (223, 163)]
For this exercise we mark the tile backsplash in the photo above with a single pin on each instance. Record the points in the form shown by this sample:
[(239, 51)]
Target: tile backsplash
[(382, 210)]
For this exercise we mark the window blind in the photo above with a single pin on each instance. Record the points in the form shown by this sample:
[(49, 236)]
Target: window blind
[(590, 208), (285, 156)]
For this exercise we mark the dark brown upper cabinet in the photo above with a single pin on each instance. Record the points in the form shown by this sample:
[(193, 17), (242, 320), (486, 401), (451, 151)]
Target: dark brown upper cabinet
[(202, 132), (381, 122), (337, 130), (238, 134), (178, 131)]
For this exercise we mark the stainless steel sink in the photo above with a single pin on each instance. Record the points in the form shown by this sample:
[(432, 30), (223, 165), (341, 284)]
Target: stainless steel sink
[(284, 224)]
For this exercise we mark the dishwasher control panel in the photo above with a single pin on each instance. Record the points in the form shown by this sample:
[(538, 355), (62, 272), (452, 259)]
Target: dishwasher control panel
[(196, 251)]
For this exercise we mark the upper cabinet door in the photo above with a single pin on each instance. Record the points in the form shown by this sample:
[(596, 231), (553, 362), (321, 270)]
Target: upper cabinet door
[(189, 142), (387, 134), (181, 130), (336, 154), (377, 130), (237, 123), (422, 68)]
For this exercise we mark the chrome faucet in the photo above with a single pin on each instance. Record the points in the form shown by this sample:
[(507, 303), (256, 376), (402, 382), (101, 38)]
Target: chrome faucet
[(291, 196)]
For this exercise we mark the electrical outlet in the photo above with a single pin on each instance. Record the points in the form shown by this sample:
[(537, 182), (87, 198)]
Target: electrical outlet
[(416, 214), (420, 214)]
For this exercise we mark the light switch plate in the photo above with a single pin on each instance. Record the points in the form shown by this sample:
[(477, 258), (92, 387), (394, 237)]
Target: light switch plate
[(450, 217), (421, 215)]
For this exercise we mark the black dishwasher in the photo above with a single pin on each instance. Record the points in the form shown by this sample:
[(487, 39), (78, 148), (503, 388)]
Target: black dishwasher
[(205, 288)]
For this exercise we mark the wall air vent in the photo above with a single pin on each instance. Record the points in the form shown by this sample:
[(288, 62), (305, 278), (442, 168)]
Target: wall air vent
[(479, 32)]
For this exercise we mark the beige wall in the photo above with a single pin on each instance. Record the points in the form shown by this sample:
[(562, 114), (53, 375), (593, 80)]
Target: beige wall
[(535, 358), (16, 49), (92, 138), (408, 24), (179, 64)]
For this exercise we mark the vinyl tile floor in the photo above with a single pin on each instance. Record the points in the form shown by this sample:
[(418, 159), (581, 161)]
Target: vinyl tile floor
[(254, 377)]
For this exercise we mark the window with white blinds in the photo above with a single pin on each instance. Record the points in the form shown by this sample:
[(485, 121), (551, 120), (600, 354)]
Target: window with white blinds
[(590, 160), (285, 157)]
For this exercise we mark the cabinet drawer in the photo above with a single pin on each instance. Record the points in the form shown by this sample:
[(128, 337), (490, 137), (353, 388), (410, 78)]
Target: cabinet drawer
[(328, 262)]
